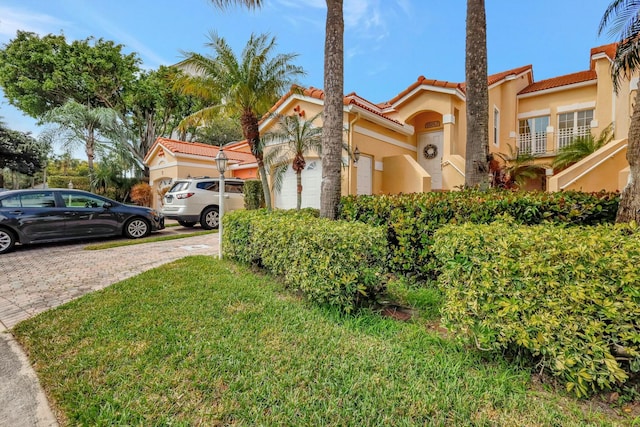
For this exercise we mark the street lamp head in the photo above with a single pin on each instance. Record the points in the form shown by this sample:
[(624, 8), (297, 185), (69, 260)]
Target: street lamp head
[(221, 161)]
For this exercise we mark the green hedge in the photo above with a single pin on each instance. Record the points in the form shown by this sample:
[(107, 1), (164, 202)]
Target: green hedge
[(568, 296), (331, 262), (253, 194), (411, 219), (60, 181)]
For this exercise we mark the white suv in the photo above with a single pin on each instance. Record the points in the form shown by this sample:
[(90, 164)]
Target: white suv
[(192, 200)]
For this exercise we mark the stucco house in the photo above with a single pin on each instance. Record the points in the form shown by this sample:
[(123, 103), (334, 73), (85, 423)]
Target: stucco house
[(416, 141), (169, 159)]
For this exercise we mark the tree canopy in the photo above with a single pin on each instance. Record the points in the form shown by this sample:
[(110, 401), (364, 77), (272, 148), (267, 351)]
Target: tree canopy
[(38, 74), (20, 152)]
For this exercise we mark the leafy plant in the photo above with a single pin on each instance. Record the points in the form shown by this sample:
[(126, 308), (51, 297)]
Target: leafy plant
[(142, 194), (411, 219), (332, 262), (581, 147), (566, 297), (517, 168)]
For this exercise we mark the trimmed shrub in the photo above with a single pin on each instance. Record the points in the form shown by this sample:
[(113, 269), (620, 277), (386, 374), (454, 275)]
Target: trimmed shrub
[(332, 262), (411, 219), (141, 194), (253, 194), (567, 296), (60, 181)]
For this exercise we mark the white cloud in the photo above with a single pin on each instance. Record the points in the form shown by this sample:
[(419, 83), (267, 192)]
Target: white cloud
[(12, 20)]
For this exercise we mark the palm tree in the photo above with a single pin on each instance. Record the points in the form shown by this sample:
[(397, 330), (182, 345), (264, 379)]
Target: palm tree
[(79, 124), (297, 138), (624, 18), (331, 188), (582, 146), (518, 168), (333, 106), (247, 85), (477, 147)]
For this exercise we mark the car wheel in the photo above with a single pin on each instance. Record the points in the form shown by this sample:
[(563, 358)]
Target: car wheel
[(136, 228), (187, 223), (210, 219), (7, 240)]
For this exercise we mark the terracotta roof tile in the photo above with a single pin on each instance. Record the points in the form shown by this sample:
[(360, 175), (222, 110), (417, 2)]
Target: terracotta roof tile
[(495, 78), (350, 99), (199, 149), (607, 49), (567, 79), (421, 81)]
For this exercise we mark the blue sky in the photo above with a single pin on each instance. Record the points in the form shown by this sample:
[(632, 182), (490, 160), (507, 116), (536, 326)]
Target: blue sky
[(388, 43)]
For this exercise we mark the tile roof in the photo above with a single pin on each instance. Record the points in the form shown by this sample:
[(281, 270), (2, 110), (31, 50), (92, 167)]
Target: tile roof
[(312, 92), (422, 80), (607, 49), (199, 149), (567, 79)]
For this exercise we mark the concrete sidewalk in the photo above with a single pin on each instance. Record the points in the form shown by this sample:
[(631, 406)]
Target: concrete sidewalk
[(37, 278)]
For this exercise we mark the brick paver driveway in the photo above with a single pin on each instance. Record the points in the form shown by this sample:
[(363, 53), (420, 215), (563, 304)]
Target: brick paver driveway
[(36, 278)]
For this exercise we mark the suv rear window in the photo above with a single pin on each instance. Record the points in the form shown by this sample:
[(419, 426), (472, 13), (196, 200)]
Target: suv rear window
[(179, 186), (208, 185)]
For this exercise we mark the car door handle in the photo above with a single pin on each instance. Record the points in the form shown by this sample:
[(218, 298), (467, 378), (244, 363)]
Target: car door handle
[(71, 213), (16, 212)]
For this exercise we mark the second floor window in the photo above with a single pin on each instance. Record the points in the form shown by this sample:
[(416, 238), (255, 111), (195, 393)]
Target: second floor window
[(532, 135), (572, 125)]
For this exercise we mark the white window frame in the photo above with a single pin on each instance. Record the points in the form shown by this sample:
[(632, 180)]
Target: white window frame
[(496, 126), (567, 134), (534, 142)]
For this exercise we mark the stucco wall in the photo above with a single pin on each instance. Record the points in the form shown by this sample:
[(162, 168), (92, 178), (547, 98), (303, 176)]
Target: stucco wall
[(402, 174)]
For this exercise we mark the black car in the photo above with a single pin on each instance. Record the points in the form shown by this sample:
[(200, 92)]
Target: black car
[(53, 214)]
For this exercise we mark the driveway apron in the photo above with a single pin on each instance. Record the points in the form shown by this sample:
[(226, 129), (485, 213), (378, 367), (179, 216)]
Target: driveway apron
[(37, 278)]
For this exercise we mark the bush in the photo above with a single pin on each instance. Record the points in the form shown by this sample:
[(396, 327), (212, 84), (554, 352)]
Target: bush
[(253, 195), (411, 219), (142, 194), (331, 262), (60, 181), (568, 296)]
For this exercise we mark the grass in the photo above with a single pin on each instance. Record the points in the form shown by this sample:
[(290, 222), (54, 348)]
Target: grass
[(149, 239), (205, 342)]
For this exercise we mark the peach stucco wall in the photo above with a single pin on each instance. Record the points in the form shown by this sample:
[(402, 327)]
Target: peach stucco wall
[(402, 174), (599, 171)]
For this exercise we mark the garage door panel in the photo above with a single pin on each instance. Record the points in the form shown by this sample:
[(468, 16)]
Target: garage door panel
[(311, 182)]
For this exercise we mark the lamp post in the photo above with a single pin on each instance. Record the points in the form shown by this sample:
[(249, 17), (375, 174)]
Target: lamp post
[(221, 163)]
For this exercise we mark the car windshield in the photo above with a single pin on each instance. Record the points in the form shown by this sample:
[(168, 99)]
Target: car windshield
[(179, 186)]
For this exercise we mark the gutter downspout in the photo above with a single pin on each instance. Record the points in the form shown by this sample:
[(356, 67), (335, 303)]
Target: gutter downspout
[(349, 144)]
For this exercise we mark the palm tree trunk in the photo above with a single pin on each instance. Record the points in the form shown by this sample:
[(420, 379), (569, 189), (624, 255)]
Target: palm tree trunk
[(477, 147), (299, 189), (251, 132), (629, 208), (332, 110), (89, 150)]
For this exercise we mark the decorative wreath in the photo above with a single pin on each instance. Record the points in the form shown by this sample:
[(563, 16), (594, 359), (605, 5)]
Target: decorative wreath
[(430, 151)]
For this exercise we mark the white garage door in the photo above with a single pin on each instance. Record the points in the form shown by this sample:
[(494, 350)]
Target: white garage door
[(311, 182)]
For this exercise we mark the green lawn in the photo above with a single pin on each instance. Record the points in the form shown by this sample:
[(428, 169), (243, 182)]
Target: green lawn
[(204, 342)]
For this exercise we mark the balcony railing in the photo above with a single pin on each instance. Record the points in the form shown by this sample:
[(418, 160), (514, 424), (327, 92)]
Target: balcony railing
[(532, 143), (566, 136)]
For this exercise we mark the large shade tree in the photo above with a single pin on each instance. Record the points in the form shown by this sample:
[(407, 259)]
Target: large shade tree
[(477, 101), (38, 74), (247, 85), (296, 138), (20, 152), (622, 18)]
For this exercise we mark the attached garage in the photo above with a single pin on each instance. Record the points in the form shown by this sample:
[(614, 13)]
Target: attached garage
[(311, 182)]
